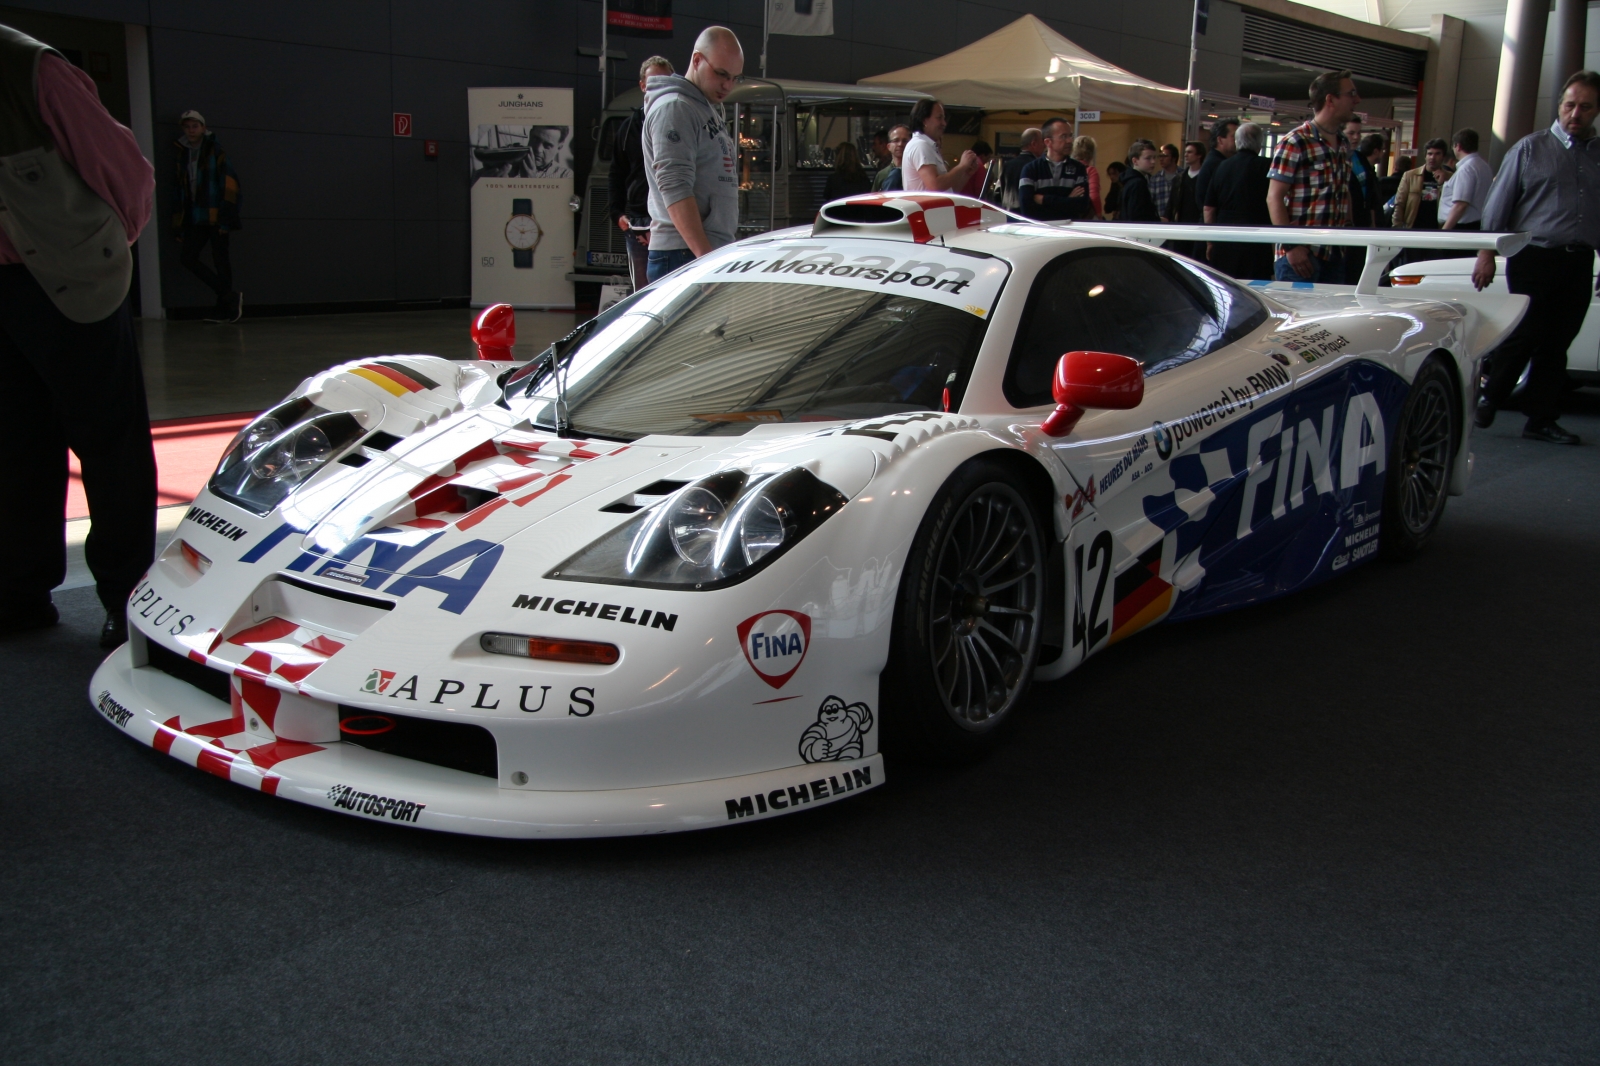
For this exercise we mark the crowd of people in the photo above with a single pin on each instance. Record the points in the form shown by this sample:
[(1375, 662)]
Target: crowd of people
[(675, 164)]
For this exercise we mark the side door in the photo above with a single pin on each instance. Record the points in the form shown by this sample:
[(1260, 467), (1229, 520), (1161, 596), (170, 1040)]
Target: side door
[(1147, 479)]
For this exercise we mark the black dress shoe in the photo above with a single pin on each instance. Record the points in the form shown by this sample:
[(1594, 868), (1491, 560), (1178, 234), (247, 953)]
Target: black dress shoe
[(1483, 418), (1547, 430), (41, 615), (114, 634)]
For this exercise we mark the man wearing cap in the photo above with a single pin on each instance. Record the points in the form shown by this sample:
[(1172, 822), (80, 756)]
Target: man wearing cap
[(206, 211), (74, 193)]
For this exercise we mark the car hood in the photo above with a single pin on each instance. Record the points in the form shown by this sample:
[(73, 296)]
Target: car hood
[(476, 477)]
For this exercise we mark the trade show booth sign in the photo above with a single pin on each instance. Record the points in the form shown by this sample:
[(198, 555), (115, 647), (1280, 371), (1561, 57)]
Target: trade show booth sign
[(521, 160)]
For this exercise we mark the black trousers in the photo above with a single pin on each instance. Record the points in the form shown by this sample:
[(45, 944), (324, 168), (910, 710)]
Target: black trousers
[(81, 387), (1559, 285), (1247, 262), (220, 280)]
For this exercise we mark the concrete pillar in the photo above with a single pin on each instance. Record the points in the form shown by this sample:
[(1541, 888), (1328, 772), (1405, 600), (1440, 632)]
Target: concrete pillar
[(1572, 27), (1440, 79), (1517, 90)]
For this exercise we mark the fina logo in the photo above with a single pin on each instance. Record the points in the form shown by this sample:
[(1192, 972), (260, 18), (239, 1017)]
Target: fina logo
[(775, 644)]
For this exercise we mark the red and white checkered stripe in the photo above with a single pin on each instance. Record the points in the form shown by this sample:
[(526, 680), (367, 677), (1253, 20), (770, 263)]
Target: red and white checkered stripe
[(930, 214)]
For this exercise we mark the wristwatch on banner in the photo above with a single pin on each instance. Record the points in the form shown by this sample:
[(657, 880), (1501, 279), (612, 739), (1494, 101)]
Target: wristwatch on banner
[(522, 233)]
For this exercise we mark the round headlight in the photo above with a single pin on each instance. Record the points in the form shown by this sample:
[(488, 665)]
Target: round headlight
[(272, 460), (693, 521), (760, 529), (260, 432), (311, 449)]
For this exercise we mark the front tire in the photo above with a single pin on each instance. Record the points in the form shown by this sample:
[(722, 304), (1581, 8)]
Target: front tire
[(1418, 481), (967, 620)]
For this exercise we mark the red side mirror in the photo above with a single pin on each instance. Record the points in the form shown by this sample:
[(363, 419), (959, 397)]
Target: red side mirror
[(495, 331), (1087, 380)]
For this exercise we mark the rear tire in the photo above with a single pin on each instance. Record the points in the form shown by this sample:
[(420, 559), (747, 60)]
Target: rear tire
[(1423, 451), (968, 619)]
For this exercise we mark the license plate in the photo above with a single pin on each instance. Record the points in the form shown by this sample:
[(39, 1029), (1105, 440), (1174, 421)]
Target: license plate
[(608, 259)]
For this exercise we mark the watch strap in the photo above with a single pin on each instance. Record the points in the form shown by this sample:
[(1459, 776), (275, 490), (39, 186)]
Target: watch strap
[(522, 258), (522, 207)]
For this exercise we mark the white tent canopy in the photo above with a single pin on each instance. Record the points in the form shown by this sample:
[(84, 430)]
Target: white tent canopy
[(1027, 66)]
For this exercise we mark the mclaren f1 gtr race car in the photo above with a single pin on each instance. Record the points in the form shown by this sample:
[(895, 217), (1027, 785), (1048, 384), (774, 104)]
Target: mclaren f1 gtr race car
[(820, 494)]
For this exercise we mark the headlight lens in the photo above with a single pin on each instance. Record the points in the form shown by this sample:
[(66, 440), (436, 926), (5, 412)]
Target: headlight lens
[(713, 533), (278, 451)]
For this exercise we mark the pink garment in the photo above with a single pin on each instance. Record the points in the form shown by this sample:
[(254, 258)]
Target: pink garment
[(1094, 190), (97, 146)]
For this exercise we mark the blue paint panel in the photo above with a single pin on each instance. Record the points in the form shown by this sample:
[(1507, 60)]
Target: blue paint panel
[(1286, 544)]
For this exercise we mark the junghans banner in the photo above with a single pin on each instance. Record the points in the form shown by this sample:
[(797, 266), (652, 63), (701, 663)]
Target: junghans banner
[(521, 160)]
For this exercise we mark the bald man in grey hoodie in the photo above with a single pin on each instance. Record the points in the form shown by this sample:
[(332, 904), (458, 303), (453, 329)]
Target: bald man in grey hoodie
[(689, 157)]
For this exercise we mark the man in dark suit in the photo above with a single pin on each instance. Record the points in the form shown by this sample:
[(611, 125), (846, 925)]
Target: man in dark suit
[(1237, 196)]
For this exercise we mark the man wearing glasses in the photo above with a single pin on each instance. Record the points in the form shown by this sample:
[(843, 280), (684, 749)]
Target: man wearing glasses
[(689, 157), (1309, 180)]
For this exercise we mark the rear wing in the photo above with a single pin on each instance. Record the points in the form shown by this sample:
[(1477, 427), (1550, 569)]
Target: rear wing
[(1381, 245)]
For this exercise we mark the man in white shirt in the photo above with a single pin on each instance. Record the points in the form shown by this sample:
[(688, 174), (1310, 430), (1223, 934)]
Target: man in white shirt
[(1461, 200), (922, 168)]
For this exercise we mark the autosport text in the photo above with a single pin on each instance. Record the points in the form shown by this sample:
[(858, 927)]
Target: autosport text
[(149, 606), (216, 523), (347, 798), (1230, 400), (530, 698), (1123, 465), (112, 709), (606, 612), (1302, 454), (783, 798)]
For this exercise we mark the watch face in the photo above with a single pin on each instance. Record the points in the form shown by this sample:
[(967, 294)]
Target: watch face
[(522, 232)]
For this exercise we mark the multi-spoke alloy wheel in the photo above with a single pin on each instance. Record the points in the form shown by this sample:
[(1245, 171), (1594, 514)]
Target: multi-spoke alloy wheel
[(1419, 473), (968, 617), (984, 622)]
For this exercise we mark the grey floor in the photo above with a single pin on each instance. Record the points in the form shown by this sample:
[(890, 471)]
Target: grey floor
[(1357, 826), (202, 368)]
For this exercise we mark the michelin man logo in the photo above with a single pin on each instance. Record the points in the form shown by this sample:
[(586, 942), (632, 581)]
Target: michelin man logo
[(837, 733)]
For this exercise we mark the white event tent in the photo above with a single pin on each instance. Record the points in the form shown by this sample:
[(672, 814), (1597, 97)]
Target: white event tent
[(1027, 65)]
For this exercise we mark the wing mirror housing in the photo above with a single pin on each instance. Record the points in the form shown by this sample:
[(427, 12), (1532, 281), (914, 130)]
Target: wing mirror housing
[(495, 332), (1092, 380)]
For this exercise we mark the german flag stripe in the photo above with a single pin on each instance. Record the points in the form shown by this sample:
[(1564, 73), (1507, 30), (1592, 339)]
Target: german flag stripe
[(1153, 611), (383, 381), (395, 374), (406, 371)]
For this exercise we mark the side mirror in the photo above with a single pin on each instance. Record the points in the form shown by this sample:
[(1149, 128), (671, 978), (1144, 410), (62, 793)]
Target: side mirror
[(495, 331), (1087, 380)]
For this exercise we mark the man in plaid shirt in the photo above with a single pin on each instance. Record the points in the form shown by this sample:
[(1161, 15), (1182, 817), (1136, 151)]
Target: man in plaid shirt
[(1309, 181)]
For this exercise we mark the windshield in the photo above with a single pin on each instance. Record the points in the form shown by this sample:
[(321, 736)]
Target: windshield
[(703, 354)]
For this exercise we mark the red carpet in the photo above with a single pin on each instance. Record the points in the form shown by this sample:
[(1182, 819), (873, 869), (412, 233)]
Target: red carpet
[(187, 450)]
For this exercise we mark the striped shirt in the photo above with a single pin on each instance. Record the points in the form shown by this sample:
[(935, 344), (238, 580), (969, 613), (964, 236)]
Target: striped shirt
[(1055, 181)]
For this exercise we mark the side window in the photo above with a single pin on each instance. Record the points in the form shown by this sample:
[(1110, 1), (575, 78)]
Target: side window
[(1151, 307)]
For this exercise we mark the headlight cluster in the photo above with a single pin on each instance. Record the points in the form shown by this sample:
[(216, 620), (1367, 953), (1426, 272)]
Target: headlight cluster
[(718, 531), (279, 451)]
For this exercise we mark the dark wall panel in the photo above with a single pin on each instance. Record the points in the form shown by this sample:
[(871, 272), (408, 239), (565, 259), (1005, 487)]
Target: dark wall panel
[(362, 25), (336, 209)]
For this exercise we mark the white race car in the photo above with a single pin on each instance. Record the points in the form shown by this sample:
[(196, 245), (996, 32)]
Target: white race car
[(945, 450), (1447, 278)]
